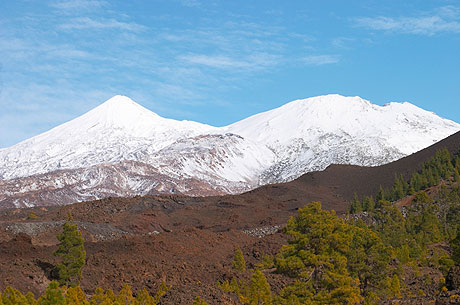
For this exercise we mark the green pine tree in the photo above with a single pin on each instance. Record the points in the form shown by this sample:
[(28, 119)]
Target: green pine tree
[(73, 254), (13, 296), (75, 296), (238, 260), (259, 290), (356, 205), (395, 287), (380, 195), (125, 296), (317, 257), (256, 292), (455, 244), (54, 295), (199, 301)]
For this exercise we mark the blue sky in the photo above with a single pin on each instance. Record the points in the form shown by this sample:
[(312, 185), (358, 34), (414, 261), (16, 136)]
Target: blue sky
[(217, 62)]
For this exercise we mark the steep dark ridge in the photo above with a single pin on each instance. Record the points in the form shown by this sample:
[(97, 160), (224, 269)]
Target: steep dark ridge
[(344, 180)]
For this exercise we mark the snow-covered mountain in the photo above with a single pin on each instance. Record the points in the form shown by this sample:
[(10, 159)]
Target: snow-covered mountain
[(116, 130), (123, 149), (310, 134)]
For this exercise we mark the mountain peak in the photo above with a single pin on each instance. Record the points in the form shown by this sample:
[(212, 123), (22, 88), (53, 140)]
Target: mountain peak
[(332, 100), (119, 99), (119, 110)]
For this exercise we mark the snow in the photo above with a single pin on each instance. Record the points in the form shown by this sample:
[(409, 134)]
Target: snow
[(273, 146), (117, 130), (310, 134), (309, 118)]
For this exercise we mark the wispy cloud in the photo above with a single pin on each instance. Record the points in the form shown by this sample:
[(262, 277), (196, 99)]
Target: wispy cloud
[(78, 4), (342, 42), (215, 61), (444, 19), (83, 23), (250, 61), (191, 3), (319, 60)]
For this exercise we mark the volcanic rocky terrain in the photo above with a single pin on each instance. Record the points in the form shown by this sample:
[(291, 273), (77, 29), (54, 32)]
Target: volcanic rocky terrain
[(188, 242)]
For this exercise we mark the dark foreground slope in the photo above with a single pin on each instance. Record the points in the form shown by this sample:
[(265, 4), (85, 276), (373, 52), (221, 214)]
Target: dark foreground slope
[(344, 180), (186, 241)]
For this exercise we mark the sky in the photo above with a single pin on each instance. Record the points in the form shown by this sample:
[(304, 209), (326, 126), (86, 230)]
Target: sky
[(217, 62)]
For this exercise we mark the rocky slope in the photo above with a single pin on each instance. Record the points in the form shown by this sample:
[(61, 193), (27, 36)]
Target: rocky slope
[(144, 240)]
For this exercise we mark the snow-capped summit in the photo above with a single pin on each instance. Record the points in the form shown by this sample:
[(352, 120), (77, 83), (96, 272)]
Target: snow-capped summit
[(117, 130), (123, 149), (403, 124), (310, 134), (121, 112)]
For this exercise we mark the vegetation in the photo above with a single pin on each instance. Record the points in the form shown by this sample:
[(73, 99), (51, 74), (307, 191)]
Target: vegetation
[(199, 301), (73, 254), (31, 216), (256, 292), (334, 261), (238, 260), (338, 261), (329, 260), (443, 166), (61, 295), (427, 220), (455, 244)]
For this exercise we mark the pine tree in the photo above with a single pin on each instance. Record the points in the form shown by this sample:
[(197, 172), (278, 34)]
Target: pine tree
[(370, 204), (317, 257), (125, 296), (30, 298), (256, 292), (110, 297), (380, 195), (356, 205), (75, 296), (161, 292), (395, 287), (13, 296), (259, 290), (73, 254), (238, 260), (98, 297), (456, 175), (455, 244), (199, 301), (398, 188), (54, 295)]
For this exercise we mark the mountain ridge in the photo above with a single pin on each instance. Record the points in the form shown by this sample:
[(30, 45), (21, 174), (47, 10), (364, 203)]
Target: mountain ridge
[(278, 145)]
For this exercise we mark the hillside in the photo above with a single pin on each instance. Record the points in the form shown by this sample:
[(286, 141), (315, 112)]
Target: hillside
[(144, 240)]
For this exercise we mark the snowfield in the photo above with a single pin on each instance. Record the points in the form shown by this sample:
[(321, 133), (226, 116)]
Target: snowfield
[(149, 153)]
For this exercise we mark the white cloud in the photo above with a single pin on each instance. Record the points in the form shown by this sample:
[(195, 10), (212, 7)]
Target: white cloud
[(319, 60), (251, 61), (190, 3), (444, 19), (101, 24), (342, 42), (78, 4), (218, 61)]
